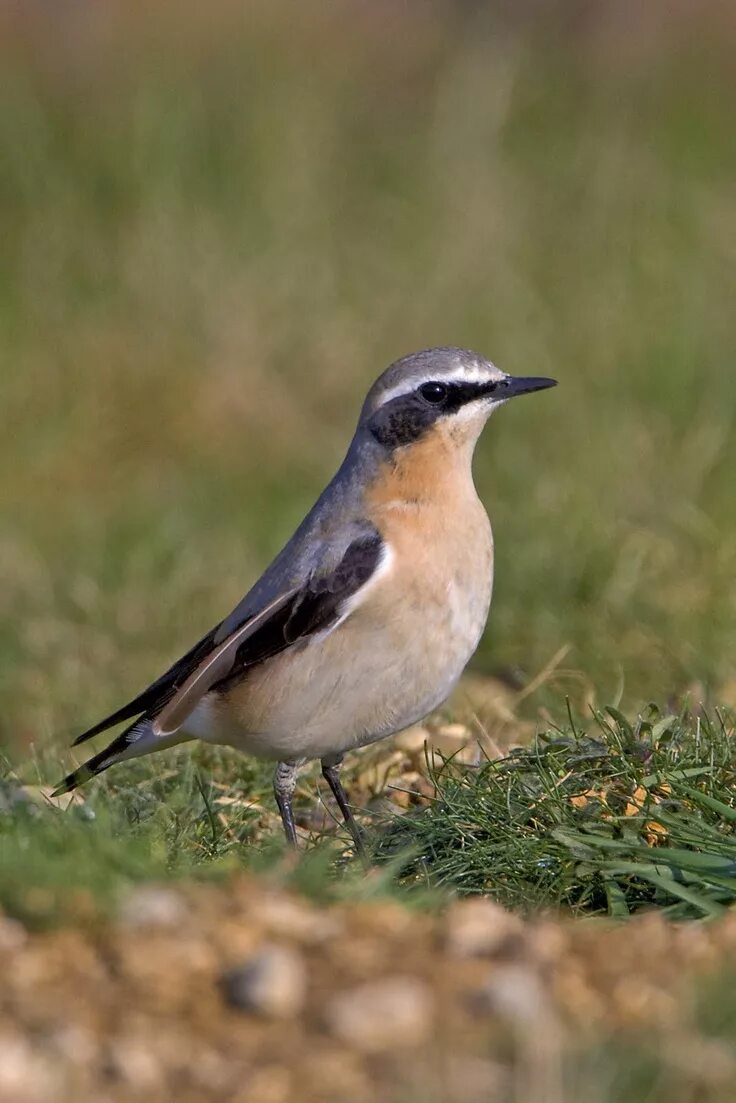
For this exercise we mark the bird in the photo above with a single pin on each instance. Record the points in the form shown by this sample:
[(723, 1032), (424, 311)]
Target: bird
[(365, 620)]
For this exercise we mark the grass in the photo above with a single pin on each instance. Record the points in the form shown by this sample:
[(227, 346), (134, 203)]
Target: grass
[(610, 822), (198, 815)]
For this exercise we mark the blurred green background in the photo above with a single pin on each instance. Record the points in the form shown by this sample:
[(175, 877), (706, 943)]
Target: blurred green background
[(220, 223)]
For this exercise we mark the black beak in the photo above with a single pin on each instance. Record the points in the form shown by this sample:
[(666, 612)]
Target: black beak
[(512, 385)]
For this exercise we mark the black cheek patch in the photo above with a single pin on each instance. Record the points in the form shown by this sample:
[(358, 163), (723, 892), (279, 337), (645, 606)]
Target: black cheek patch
[(403, 420)]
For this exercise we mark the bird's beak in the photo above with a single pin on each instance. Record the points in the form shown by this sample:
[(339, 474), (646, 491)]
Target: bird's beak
[(513, 385)]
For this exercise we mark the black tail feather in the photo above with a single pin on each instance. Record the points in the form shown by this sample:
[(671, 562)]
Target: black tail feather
[(134, 708), (99, 762)]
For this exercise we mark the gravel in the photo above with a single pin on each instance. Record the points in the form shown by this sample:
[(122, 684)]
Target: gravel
[(247, 993)]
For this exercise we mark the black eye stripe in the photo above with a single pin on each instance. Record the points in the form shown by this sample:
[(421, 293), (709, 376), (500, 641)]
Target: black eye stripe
[(456, 393)]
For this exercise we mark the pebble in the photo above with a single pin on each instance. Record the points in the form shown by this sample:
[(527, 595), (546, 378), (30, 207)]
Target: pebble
[(13, 935), (288, 918), (456, 742), (131, 1061), (517, 994), (382, 1014), (412, 740), (25, 1076), (152, 906), (74, 1044), (479, 927), (272, 984), (450, 737)]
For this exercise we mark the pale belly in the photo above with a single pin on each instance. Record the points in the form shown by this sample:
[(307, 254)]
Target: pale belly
[(385, 667)]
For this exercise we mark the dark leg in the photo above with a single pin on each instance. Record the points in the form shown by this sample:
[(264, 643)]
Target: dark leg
[(284, 783), (331, 774)]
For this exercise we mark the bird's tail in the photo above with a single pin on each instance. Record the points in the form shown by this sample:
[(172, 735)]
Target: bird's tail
[(136, 740)]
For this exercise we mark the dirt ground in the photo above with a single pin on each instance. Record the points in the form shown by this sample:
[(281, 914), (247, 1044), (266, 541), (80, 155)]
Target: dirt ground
[(246, 993)]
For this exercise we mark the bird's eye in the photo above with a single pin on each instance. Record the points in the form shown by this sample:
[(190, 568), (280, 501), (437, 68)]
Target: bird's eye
[(433, 392)]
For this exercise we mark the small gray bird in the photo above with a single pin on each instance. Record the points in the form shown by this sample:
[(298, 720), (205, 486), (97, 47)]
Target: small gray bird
[(365, 620)]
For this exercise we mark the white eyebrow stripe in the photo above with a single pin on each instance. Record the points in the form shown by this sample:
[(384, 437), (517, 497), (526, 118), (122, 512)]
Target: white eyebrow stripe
[(462, 375)]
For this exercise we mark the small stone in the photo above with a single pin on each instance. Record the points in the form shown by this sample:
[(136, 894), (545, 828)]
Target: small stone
[(13, 935), (286, 918), (25, 1075), (548, 941), (413, 787), (450, 737), (75, 1045), (401, 798), (134, 1063), (412, 740), (153, 906), (517, 994), (479, 927), (272, 984), (382, 1014), (386, 918)]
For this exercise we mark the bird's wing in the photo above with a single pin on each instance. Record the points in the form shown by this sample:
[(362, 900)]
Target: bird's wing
[(296, 613)]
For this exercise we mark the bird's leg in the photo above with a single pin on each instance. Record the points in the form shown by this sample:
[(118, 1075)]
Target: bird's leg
[(331, 774), (284, 784)]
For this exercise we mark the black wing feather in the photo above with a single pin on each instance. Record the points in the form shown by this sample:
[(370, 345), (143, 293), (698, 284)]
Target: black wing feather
[(315, 608)]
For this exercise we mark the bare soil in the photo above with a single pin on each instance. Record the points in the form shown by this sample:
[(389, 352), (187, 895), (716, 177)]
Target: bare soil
[(246, 992)]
